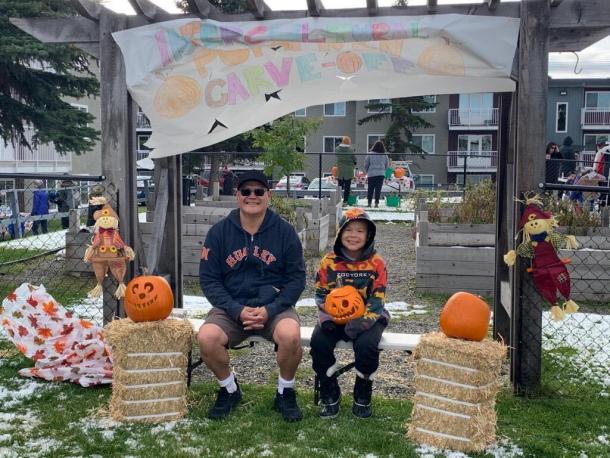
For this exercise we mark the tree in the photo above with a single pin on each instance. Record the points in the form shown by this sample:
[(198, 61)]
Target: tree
[(282, 143), (35, 78), (401, 113)]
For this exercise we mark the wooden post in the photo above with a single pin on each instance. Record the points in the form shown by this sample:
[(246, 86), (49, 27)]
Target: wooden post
[(13, 200), (423, 228), (531, 137), (118, 139), (502, 296)]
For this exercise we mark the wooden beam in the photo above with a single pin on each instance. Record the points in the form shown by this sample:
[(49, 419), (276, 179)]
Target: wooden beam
[(372, 7), (59, 30), (258, 8), (150, 11), (156, 240), (202, 8), (532, 99), (88, 8), (581, 13), (492, 4), (432, 6), (314, 7), (555, 2), (563, 40)]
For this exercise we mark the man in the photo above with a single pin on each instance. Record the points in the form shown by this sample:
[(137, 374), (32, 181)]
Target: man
[(252, 271)]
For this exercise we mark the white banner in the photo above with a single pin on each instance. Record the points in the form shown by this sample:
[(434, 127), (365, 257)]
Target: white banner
[(201, 81)]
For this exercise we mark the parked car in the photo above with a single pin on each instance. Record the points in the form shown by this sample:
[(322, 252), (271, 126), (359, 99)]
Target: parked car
[(327, 183), (296, 182), (145, 185)]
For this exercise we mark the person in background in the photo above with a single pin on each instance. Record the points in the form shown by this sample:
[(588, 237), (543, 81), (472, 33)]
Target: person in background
[(553, 163), (96, 191), (568, 154), (252, 271), (346, 160), (353, 262), (40, 207), (375, 165), (65, 201), (228, 181)]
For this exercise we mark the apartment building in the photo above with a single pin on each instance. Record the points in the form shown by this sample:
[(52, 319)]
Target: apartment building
[(579, 108)]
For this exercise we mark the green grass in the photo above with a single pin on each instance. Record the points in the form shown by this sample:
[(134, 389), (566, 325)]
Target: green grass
[(73, 421), (10, 255)]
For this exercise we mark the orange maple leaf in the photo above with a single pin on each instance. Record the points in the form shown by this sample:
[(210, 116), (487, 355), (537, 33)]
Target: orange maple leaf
[(12, 296), (45, 332), (21, 348), (50, 308), (86, 324), (59, 346)]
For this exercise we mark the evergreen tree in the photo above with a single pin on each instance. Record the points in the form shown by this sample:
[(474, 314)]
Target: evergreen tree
[(401, 113), (34, 79)]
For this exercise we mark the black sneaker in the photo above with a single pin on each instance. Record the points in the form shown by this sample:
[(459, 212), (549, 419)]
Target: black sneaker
[(225, 402), (330, 399), (287, 405), (363, 389)]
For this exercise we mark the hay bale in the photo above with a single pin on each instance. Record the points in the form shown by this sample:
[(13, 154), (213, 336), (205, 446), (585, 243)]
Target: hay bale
[(149, 374), (456, 383)]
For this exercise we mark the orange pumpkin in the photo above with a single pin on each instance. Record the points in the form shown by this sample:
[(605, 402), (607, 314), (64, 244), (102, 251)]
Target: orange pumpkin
[(349, 62), (465, 316), (399, 172), (333, 171), (344, 304), (148, 298), (177, 96)]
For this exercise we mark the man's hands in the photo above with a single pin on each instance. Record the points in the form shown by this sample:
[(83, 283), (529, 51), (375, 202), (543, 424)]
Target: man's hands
[(253, 318)]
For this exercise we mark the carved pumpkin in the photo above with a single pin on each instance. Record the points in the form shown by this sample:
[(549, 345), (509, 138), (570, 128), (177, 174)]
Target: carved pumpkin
[(442, 59), (399, 172), (333, 171), (465, 316), (148, 298), (349, 62), (344, 304), (177, 96)]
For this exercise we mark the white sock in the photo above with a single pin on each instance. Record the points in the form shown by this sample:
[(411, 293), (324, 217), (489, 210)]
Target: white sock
[(229, 383), (365, 377), (281, 384)]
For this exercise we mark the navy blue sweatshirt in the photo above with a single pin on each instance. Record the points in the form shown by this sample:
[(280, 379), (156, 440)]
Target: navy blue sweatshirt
[(265, 269)]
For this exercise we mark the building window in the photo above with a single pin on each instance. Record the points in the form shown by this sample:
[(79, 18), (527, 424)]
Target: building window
[(371, 139), (334, 109), (476, 102), (600, 100), (302, 148), (331, 143), (429, 99), (474, 145), (561, 117), (384, 109), (591, 140), (424, 181), (301, 113), (472, 179), (425, 142), (83, 108), (142, 139)]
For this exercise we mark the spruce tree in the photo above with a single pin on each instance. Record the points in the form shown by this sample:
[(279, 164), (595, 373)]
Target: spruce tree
[(35, 78)]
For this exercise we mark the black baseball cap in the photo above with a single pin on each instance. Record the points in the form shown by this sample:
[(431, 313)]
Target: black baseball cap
[(253, 175)]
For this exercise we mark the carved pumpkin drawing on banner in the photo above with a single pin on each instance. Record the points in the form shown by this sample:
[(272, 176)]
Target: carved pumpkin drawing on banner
[(344, 304), (442, 59), (148, 298), (349, 62), (177, 96)]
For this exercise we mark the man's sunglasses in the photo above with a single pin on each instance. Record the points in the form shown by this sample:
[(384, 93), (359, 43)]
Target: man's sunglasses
[(258, 192)]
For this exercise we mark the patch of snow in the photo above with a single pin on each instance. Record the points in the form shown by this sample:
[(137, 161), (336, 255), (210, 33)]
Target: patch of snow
[(26, 389), (603, 439), (502, 449)]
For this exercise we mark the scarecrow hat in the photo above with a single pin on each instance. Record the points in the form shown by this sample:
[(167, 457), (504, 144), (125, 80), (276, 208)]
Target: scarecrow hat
[(533, 210)]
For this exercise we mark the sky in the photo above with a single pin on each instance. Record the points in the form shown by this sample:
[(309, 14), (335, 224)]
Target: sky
[(593, 62)]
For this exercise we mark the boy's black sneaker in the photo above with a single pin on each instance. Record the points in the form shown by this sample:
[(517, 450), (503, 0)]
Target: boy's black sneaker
[(363, 389), (330, 398), (225, 403), (287, 405)]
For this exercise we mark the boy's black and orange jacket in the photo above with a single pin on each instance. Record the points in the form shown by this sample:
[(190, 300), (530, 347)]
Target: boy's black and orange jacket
[(367, 274)]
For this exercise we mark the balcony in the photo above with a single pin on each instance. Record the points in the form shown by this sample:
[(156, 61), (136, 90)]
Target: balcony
[(586, 158), (595, 118), (142, 122), (476, 161), (486, 119), (43, 158)]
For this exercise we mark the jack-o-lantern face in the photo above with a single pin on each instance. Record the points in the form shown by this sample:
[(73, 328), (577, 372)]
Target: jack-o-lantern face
[(148, 298), (344, 304)]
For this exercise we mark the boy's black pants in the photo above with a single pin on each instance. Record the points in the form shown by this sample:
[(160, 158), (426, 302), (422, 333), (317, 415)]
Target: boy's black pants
[(366, 350), (346, 187)]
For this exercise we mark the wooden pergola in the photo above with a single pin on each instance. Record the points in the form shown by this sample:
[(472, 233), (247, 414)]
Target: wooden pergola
[(546, 26)]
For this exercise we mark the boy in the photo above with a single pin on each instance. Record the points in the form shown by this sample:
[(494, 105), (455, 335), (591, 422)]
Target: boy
[(353, 262)]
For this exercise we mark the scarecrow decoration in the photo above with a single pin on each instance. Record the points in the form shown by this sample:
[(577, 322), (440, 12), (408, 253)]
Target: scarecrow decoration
[(107, 252), (540, 244)]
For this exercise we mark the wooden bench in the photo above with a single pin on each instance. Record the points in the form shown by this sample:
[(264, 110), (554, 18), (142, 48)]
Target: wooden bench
[(389, 341)]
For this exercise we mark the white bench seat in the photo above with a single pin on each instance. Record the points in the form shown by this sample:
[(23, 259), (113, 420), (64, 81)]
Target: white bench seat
[(389, 340)]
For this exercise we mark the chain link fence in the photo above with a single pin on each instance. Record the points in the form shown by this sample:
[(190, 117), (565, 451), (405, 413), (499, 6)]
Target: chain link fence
[(45, 227)]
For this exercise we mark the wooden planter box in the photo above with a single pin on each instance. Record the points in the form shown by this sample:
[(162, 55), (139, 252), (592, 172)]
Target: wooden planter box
[(461, 257)]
